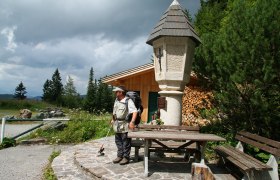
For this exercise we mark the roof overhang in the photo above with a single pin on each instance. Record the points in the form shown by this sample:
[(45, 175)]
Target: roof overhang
[(112, 79), (127, 73)]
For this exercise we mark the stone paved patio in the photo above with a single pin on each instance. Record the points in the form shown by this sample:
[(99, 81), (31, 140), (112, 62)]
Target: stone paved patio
[(82, 161)]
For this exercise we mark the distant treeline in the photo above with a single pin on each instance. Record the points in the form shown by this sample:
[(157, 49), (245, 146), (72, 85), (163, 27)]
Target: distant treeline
[(99, 97)]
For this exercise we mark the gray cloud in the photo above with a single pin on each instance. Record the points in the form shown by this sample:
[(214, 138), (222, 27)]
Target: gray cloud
[(38, 36), (8, 32)]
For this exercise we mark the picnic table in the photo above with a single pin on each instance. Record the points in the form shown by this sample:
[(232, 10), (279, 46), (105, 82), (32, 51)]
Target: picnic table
[(155, 136)]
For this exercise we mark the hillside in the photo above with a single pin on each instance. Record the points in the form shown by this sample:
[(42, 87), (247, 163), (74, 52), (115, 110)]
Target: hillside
[(6, 96)]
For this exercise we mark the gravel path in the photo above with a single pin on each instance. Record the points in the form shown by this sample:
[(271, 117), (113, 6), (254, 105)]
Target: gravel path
[(25, 162)]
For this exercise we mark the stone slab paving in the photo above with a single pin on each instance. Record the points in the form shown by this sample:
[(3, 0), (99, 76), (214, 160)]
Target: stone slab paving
[(84, 162), (65, 168), (25, 162)]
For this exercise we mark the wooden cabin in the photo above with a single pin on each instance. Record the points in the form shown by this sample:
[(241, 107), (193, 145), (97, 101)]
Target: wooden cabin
[(142, 80)]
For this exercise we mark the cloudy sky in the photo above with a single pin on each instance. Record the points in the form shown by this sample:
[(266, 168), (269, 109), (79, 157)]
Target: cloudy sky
[(38, 36)]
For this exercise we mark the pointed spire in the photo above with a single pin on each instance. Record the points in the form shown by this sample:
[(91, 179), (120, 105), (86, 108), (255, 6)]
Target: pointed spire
[(174, 22), (175, 2)]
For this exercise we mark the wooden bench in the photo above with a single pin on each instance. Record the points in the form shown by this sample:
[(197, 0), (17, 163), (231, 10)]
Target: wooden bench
[(165, 146), (249, 166)]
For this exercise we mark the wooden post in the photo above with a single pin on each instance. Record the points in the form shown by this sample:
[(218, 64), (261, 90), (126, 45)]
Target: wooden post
[(201, 172)]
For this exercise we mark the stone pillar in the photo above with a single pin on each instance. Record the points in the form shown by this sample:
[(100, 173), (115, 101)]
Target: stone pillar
[(172, 114), (174, 41)]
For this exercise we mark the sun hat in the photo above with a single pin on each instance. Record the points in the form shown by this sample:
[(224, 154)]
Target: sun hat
[(119, 88)]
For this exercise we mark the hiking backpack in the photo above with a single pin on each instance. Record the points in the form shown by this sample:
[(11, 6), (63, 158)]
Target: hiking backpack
[(138, 104)]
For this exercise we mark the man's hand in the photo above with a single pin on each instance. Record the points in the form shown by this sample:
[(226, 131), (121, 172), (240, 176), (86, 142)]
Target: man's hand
[(113, 119), (131, 125), (132, 122)]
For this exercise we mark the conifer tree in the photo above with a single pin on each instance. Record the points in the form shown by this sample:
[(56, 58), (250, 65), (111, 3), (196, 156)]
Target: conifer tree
[(100, 96), (57, 88), (71, 98), (247, 55), (105, 98), (20, 92), (47, 91), (109, 98), (207, 24), (188, 14), (53, 89), (90, 100), (240, 56)]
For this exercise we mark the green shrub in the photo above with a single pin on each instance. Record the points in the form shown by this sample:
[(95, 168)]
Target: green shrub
[(219, 129), (82, 127), (7, 142)]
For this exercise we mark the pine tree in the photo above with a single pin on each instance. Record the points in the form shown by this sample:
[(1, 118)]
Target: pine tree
[(207, 24), (71, 98), (248, 53), (108, 98), (57, 88), (188, 14), (53, 89), (105, 97), (47, 91), (100, 96), (90, 100), (240, 57), (20, 92)]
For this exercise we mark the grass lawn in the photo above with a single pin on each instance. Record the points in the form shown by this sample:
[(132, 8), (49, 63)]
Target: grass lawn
[(8, 112)]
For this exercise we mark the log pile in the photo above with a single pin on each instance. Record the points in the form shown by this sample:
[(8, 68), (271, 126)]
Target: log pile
[(194, 100)]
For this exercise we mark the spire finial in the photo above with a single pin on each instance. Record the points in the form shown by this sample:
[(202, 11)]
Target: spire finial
[(175, 2)]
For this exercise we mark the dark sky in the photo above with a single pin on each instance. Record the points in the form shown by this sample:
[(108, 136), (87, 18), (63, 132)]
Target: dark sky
[(38, 36)]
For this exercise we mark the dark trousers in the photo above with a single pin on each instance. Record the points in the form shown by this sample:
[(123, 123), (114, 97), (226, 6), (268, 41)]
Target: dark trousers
[(123, 144)]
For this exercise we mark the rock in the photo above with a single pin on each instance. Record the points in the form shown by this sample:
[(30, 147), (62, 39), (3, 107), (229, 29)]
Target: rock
[(58, 114), (25, 114), (50, 113), (40, 116), (34, 141)]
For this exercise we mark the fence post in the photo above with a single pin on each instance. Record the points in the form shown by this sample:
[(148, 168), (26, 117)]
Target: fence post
[(2, 130)]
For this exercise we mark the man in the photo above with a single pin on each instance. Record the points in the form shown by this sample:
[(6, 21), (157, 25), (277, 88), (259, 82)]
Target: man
[(122, 107)]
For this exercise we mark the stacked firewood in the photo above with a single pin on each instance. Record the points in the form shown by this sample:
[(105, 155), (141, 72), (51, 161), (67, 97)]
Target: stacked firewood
[(194, 100)]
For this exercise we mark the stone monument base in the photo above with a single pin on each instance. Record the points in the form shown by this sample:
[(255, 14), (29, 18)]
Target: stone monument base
[(172, 113)]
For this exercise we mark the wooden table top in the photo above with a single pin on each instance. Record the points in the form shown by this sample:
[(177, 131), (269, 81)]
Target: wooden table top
[(174, 135)]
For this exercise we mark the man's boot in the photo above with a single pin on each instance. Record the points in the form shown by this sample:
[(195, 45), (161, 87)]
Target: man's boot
[(124, 161), (117, 160)]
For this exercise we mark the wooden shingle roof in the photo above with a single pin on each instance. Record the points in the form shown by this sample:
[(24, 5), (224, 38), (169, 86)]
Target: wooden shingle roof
[(129, 72), (174, 22), (133, 71)]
